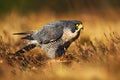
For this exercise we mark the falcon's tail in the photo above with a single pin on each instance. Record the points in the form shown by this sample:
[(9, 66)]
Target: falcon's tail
[(23, 33), (27, 35), (25, 49)]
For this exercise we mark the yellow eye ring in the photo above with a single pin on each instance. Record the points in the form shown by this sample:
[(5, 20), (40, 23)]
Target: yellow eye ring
[(77, 25)]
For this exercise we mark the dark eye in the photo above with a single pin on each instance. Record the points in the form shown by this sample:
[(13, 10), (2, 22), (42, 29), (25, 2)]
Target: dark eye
[(76, 26)]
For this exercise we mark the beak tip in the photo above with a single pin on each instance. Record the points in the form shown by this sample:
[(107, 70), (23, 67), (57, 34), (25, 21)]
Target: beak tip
[(82, 28)]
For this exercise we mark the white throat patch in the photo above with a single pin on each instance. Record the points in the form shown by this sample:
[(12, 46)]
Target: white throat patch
[(68, 35)]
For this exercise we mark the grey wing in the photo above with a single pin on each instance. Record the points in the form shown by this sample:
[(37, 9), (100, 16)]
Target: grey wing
[(48, 34)]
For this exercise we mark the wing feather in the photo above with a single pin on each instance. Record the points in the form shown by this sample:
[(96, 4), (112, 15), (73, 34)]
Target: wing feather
[(48, 34)]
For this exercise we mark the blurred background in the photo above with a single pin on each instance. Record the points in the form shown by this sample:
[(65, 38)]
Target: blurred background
[(100, 40), (25, 7), (33, 14)]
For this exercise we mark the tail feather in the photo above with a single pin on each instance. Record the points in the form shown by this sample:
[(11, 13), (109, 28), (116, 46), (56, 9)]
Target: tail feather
[(27, 35), (23, 33), (24, 49)]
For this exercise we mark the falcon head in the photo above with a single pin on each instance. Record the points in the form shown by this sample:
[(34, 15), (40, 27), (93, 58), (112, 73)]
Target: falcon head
[(74, 25), (78, 24)]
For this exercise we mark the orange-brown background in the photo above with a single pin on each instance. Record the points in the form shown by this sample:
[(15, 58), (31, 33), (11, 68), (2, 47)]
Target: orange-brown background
[(99, 17)]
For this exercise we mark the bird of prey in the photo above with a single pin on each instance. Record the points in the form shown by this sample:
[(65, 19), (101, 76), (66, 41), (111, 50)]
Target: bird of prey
[(54, 38)]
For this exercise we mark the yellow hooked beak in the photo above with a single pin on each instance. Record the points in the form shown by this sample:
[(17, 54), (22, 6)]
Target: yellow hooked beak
[(79, 26)]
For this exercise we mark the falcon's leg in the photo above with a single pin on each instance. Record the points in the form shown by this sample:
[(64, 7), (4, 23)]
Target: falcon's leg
[(60, 51)]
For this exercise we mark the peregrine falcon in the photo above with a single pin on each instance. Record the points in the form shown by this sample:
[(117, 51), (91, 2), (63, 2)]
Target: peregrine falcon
[(54, 38)]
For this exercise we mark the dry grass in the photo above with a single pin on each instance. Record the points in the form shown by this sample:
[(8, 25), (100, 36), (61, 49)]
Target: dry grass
[(94, 56)]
